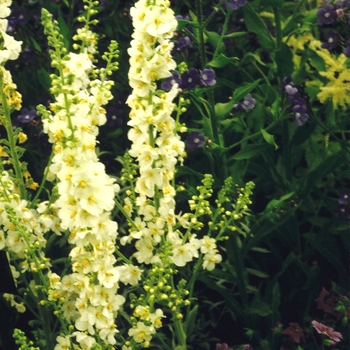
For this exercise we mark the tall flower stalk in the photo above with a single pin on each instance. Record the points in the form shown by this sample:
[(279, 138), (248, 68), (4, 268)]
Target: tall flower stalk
[(89, 294)]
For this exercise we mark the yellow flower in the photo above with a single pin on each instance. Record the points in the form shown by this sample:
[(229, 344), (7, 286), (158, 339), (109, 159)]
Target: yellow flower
[(2, 152), (22, 137), (338, 86), (33, 185)]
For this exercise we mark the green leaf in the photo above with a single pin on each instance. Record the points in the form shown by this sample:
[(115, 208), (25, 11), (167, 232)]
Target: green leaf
[(276, 297), (44, 78), (290, 258), (327, 254), (190, 321), (230, 300), (244, 90), (63, 29), (255, 24), (270, 139), (258, 307), (302, 133), (260, 250), (328, 165), (214, 38), (249, 151), (35, 44), (221, 61), (316, 61), (276, 203), (252, 57), (181, 23), (185, 170), (284, 60), (256, 273), (235, 34), (223, 109)]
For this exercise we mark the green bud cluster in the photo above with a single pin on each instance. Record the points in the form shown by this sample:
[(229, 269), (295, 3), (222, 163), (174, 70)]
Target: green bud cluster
[(110, 57), (160, 289), (55, 39), (22, 341), (232, 205), (182, 67), (199, 203)]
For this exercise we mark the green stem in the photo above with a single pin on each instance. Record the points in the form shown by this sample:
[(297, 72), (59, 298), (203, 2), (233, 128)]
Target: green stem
[(181, 335), (286, 150), (207, 21), (43, 180), (122, 256), (273, 124), (200, 32), (277, 13), (239, 267), (262, 73), (44, 317), (12, 141), (164, 344), (127, 217), (224, 30)]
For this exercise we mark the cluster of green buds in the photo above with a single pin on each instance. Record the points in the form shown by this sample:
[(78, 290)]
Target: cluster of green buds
[(199, 204), (87, 37), (159, 290), (22, 341), (232, 205), (110, 57)]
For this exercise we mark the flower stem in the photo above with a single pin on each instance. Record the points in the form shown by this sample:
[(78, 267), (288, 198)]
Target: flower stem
[(12, 141)]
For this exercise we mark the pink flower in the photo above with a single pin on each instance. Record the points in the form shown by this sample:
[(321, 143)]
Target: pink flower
[(328, 331), (296, 334), (222, 346)]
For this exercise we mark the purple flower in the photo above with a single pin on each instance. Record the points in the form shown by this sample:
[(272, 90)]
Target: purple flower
[(347, 48), (238, 107), (169, 82), (17, 17), (343, 211), (190, 79), (331, 40), (235, 4), (336, 337), (300, 114), (26, 116), (207, 77), (326, 15), (182, 43), (195, 140), (343, 3), (290, 89), (287, 80), (248, 102), (344, 196), (179, 17)]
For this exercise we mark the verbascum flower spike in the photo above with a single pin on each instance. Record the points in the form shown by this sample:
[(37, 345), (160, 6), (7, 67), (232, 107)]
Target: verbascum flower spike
[(89, 295), (156, 145)]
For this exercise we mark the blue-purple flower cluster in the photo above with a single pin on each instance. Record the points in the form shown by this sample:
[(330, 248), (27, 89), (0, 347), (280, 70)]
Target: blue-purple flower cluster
[(195, 140), (343, 205), (248, 103), (190, 79), (336, 18), (295, 98), (235, 4)]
